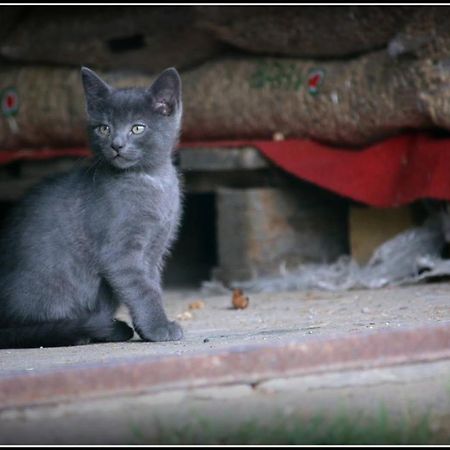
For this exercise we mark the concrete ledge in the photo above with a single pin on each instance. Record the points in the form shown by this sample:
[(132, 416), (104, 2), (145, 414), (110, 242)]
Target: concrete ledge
[(237, 365)]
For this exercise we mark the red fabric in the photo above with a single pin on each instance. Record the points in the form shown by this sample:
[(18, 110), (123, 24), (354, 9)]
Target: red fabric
[(393, 172)]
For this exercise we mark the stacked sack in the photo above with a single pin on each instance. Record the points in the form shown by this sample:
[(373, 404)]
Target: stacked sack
[(342, 75)]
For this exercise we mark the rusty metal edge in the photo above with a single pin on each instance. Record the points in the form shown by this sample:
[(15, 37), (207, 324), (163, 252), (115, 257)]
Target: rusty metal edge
[(247, 364)]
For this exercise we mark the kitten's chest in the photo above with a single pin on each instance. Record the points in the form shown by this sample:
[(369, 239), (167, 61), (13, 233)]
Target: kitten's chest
[(160, 197), (147, 200)]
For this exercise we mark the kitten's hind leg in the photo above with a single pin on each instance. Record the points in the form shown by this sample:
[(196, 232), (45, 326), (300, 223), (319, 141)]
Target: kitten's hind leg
[(107, 304), (98, 327), (120, 332)]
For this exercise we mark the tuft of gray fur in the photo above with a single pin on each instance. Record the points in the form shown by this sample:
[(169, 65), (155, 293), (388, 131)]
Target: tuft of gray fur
[(82, 243)]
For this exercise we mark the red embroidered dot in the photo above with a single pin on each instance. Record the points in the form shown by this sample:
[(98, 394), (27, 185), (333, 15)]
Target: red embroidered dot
[(314, 81), (10, 101)]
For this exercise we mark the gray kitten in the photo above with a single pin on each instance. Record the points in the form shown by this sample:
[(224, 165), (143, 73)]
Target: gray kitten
[(84, 242)]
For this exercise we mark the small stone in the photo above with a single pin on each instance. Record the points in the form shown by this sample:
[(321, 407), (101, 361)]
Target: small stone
[(186, 315), (278, 136)]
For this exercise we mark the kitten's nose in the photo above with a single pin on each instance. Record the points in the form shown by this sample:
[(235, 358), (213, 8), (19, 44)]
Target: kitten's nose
[(117, 144), (117, 147)]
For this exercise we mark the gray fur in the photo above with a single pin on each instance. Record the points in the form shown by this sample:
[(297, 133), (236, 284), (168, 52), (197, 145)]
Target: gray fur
[(82, 243)]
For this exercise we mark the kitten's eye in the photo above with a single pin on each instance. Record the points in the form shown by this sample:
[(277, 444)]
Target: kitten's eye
[(137, 129), (103, 130)]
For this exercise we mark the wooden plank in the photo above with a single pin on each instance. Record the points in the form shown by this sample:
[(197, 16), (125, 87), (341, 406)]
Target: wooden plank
[(371, 227), (215, 159)]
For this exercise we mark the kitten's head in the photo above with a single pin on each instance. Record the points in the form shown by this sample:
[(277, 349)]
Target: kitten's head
[(133, 127)]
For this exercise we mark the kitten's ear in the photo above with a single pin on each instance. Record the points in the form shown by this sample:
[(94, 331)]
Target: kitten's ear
[(166, 92), (94, 86)]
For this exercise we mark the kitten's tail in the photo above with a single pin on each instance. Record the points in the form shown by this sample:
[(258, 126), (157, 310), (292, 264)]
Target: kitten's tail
[(59, 333)]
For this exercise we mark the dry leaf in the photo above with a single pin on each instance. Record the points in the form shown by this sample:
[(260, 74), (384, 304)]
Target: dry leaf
[(199, 304), (238, 300)]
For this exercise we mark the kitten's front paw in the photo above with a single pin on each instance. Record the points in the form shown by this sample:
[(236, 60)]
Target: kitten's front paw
[(170, 331)]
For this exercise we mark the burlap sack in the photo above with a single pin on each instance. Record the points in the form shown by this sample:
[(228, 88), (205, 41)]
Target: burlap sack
[(434, 97), (349, 102), (343, 103), (138, 38), (39, 107), (46, 105), (313, 32), (425, 35)]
